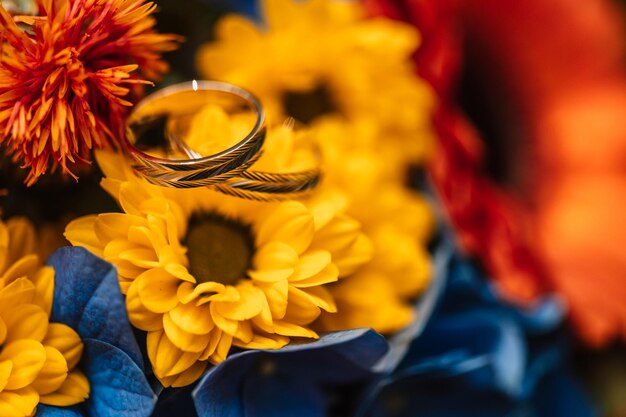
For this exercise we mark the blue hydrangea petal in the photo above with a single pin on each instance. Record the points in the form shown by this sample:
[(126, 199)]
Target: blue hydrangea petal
[(265, 396), (118, 386), (87, 298), (218, 393), (335, 357), (441, 396), (50, 411), (463, 343), (558, 395), (467, 288)]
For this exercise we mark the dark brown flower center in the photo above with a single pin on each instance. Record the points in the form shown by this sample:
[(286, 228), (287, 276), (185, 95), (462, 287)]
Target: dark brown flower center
[(307, 106), (218, 249)]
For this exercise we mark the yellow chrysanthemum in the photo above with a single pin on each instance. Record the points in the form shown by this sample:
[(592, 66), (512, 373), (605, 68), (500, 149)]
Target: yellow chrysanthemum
[(351, 79), (203, 271), (397, 219), (323, 57), (37, 359)]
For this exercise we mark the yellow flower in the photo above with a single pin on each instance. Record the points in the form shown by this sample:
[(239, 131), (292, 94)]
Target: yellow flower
[(323, 57), (397, 219), (37, 359), (351, 78), (203, 271)]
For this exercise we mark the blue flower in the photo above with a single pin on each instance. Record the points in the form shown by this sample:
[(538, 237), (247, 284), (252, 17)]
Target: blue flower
[(305, 380), (87, 298), (479, 356)]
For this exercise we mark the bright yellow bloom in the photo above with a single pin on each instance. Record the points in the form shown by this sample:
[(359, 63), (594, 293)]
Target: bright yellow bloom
[(203, 271), (397, 219), (351, 78), (322, 57), (37, 359)]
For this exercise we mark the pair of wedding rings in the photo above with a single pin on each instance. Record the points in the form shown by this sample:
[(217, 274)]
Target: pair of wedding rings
[(154, 124)]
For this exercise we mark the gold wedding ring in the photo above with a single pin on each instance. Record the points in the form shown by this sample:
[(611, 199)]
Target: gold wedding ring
[(228, 171)]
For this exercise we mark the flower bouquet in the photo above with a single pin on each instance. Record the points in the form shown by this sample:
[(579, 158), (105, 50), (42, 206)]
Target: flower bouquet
[(296, 216)]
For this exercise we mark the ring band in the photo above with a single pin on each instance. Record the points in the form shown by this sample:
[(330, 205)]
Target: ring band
[(227, 171), (217, 165)]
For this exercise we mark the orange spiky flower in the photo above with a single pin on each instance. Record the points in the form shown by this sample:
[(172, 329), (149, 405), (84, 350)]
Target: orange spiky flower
[(66, 76)]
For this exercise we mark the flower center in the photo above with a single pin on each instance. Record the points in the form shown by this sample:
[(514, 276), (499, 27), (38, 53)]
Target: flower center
[(219, 249), (308, 106)]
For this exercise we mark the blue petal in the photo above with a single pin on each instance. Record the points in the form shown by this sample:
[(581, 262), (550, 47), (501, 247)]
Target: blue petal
[(218, 393), (558, 395), (50, 411), (87, 298), (265, 396), (545, 315), (438, 397), (337, 357), (118, 386), (490, 350), (467, 288)]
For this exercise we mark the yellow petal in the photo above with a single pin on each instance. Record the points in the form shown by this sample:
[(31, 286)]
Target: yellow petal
[(132, 196), (44, 282), (188, 292), (192, 319), (238, 27), (26, 321), (226, 325), (138, 314), (290, 223), (244, 332), (75, 389), (185, 341), (230, 294), (21, 238), (112, 226), (326, 207), (19, 292), (327, 275), (19, 403), (65, 340), (158, 290), (248, 306), (276, 295), (316, 296), (23, 267), (293, 330), (216, 336), (53, 373), (352, 258), (81, 232), (180, 272), (223, 347), (187, 377), (113, 165), (272, 341), (5, 371), (28, 357), (3, 331), (165, 357), (310, 264), (273, 261)]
